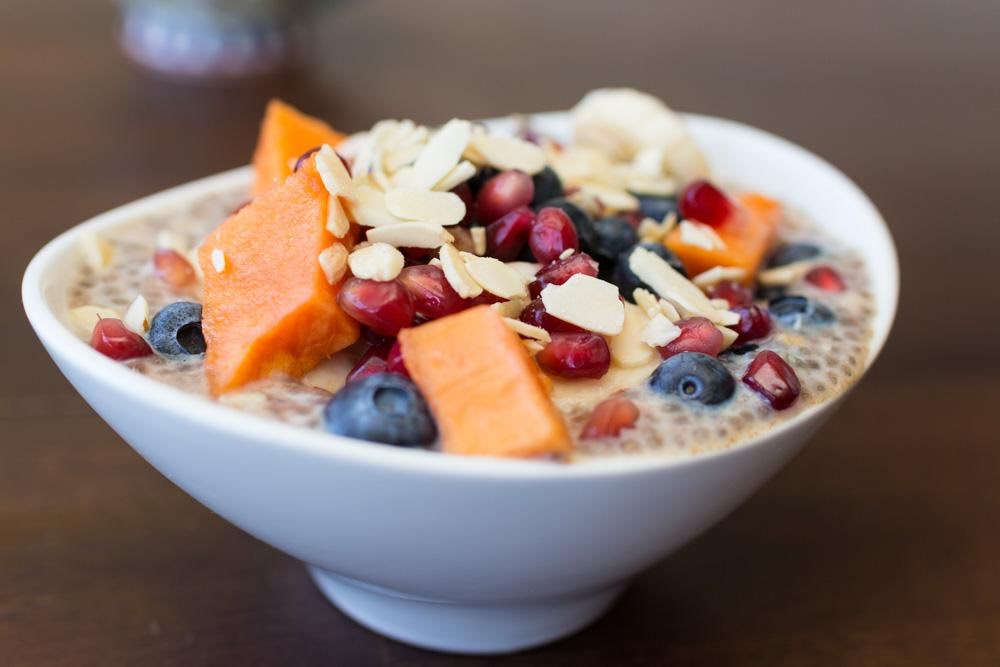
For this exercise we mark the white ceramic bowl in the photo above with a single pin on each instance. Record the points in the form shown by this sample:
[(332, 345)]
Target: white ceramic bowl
[(450, 553)]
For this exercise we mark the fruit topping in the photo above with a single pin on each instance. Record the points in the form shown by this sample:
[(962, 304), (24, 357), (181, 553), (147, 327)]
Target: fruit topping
[(175, 332), (507, 235), (385, 307), (534, 314), (656, 207), (502, 194), (371, 362), (561, 270), (552, 234), (577, 215), (796, 311), (692, 376), (385, 408), (575, 355), (306, 155), (754, 323), (430, 293), (285, 134), (770, 376), (826, 278), (740, 350), (608, 238), (733, 292), (394, 360), (589, 303), (627, 281), (698, 334), (790, 253), (704, 202), (547, 186), (173, 268), (112, 338), (610, 417)]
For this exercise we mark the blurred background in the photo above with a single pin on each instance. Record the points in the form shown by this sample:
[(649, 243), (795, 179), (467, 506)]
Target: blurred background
[(876, 546)]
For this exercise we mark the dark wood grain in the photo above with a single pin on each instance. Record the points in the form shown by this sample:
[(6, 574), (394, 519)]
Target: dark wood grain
[(877, 546)]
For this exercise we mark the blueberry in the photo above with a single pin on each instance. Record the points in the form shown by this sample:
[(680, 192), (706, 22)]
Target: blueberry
[(480, 177), (693, 376), (795, 311), (770, 292), (657, 207), (627, 281), (793, 252), (175, 331), (740, 350), (608, 238), (547, 186), (384, 407)]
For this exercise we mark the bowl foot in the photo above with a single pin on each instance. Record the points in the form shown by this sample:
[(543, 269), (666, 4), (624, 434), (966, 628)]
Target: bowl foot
[(457, 627)]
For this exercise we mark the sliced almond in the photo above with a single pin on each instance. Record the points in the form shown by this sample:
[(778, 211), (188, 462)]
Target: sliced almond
[(718, 274), (441, 208), (653, 270), (442, 152), (568, 252), (333, 262), (647, 301), (368, 206), (721, 304), (526, 270), (478, 239), (411, 235), (83, 319), (456, 274), (628, 350), (587, 302), (784, 275), (511, 308), (96, 252), (137, 315), (462, 172), (528, 330), (659, 331), (379, 261), (702, 236), (616, 199), (337, 222), (728, 337), (330, 374), (669, 311), (218, 260), (336, 179), (650, 231), (532, 346), (401, 156), (509, 153), (495, 277)]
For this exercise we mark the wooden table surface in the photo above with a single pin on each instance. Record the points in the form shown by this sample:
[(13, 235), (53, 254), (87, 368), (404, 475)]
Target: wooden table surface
[(879, 545)]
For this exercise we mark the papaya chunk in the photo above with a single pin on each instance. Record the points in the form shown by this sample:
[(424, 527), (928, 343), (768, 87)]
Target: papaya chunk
[(483, 387), (747, 235), (270, 309), (285, 134)]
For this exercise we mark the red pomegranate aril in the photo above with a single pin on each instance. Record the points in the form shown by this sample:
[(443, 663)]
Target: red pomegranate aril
[(536, 315), (371, 362), (394, 360), (698, 334), (384, 307), (733, 292), (770, 376), (506, 237), (705, 203), (113, 339), (575, 355), (173, 268), (484, 299), (634, 218), (552, 234), (562, 270), (610, 417), (755, 323), (431, 294), (308, 154), (826, 278), (502, 194)]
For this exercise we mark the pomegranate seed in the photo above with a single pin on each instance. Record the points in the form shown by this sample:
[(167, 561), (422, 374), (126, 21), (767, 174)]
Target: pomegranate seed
[(826, 278), (464, 193), (173, 268), (394, 360), (241, 207), (536, 315), (371, 362), (733, 292), (705, 203), (633, 218), (575, 355), (484, 299), (754, 323), (610, 417), (431, 294), (770, 376), (562, 270), (503, 193), (698, 334), (552, 234), (308, 154), (505, 237), (113, 339), (385, 307)]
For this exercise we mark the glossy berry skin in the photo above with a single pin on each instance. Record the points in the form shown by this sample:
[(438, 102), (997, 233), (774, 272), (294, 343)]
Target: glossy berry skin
[(627, 281), (370, 363), (770, 376), (577, 215), (610, 417), (384, 307), (793, 252), (552, 234), (547, 186), (795, 312), (705, 203), (561, 270), (175, 331), (826, 278), (770, 292), (484, 299), (476, 182), (754, 323), (502, 194), (394, 360), (173, 268), (575, 355), (308, 154), (692, 376), (536, 315), (733, 292), (657, 207), (507, 236), (608, 238), (383, 407), (113, 339), (698, 334), (430, 292)]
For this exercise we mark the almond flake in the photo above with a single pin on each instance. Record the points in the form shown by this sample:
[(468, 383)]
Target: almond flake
[(218, 260), (702, 236), (137, 316), (628, 350), (336, 179), (527, 330), (526, 270), (653, 270), (670, 312), (83, 319), (411, 235), (495, 276), (718, 274), (728, 337), (195, 262), (462, 172), (401, 156), (478, 239), (442, 208), (509, 153), (379, 261), (616, 199), (784, 275), (337, 222), (660, 331), (650, 231), (435, 262), (647, 301), (532, 346), (442, 152), (568, 252), (368, 206), (721, 304), (96, 251), (333, 261), (456, 274), (587, 302), (511, 308)]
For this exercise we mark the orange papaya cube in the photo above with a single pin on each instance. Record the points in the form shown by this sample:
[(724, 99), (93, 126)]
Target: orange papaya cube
[(270, 308), (285, 134), (483, 387), (747, 234)]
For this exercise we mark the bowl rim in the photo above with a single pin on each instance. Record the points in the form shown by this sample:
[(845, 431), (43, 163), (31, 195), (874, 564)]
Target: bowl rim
[(170, 402)]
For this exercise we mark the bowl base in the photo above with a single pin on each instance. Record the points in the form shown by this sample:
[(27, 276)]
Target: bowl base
[(456, 627)]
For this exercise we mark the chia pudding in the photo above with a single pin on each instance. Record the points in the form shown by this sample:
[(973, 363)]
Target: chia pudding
[(652, 310)]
